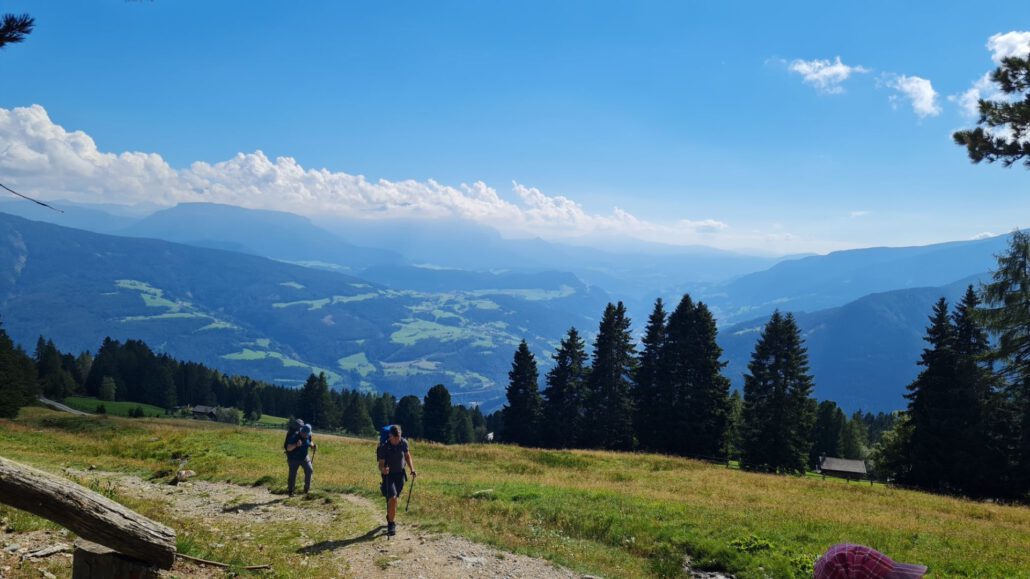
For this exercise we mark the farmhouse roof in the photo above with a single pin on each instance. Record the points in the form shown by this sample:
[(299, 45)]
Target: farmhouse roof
[(842, 465), (203, 409)]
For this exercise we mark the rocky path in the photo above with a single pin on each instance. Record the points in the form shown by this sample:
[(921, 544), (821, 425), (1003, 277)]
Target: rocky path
[(412, 553), (231, 509)]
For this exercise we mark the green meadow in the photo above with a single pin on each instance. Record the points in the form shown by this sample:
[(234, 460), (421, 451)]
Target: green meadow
[(87, 404), (602, 513)]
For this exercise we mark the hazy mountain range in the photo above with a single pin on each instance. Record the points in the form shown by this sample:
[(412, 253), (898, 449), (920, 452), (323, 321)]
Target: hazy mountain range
[(402, 306)]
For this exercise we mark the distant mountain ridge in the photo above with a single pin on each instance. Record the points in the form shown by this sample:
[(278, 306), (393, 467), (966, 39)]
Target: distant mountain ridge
[(863, 311), (825, 281), (273, 234), (862, 354), (272, 320)]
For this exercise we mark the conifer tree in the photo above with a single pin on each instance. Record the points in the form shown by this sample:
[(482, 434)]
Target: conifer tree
[(382, 410), (315, 405), (827, 432), (252, 404), (478, 424), (108, 389), (692, 389), (436, 414), (409, 416), (356, 418), (523, 413), (461, 425), (609, 411), (18, 385), (652, 414), (563, 405), (734, 425), (778, 409), (979, 459), (1004, 123), (1006, 315), (54, 380), (854, 440), (931, 405)]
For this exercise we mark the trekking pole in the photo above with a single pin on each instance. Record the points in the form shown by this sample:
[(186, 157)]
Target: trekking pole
[(410, 489)]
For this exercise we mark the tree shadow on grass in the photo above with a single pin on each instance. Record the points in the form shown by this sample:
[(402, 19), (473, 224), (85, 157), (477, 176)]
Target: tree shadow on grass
[(333, 545)]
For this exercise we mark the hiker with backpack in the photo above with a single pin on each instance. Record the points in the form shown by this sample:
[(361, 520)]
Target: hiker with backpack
[(392, 455), (297, 445)]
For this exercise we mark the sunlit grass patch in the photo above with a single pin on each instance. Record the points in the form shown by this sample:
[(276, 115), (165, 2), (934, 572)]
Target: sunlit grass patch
[(114, 408), (612, 514)]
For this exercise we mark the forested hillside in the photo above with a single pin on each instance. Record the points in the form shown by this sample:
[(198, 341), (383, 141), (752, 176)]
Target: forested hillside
[(271, 320)]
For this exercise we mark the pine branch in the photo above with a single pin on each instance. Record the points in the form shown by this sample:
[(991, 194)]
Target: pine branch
[(15, 27)]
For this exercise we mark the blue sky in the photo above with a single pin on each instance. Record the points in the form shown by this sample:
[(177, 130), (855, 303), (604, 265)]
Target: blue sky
[(683, 122)]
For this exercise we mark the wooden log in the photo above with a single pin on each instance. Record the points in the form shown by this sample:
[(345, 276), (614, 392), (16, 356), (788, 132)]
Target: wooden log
[(89, 515), (92, 561)]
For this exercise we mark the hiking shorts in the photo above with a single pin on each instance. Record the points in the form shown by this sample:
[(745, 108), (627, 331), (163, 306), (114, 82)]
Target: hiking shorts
[(393, 484)]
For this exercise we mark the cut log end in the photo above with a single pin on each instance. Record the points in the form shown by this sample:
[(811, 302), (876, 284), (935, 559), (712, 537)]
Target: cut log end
[(93, 561)]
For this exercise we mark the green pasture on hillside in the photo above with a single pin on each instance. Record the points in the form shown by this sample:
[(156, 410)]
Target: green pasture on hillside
[(267, 420), (602, 513), (113, 408)]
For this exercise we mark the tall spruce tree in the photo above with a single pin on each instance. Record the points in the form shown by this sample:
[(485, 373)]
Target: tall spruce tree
[(436, 414), (523, 413), (461, 426), (979, 462), (826, 432), (1006, 315), (854, 439), (382, 410), (409, 416), (703, 417), (356, 418), (652, 414), (778, 409), (315, 405), (931, 405), (734, 425), (609, 411), (18, 384), (563, 405)]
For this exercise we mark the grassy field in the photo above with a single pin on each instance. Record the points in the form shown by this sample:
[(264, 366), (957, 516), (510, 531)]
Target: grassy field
[(267, 420), (113, 408), (609, 514)]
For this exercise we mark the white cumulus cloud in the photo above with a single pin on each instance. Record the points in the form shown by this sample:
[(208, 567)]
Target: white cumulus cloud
[(1014, 43), (983, 235), (826, 76), (855, 214), (42, 159), (703, 226), (919, 92), (969, 101)]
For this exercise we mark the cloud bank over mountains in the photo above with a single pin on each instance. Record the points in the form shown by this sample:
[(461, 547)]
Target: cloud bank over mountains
[(43, 159)]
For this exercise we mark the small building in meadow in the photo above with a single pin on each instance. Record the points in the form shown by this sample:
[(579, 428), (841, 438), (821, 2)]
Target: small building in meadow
[(204, 413), (843, 468)]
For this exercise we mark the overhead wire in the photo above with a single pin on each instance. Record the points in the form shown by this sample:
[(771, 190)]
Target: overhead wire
[(37, 202)]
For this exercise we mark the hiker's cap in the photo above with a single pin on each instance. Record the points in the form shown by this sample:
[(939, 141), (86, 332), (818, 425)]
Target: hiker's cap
[(306, 429), (847, 561)]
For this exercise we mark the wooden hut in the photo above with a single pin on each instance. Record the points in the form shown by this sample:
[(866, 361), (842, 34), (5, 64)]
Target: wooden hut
[(843, 468)]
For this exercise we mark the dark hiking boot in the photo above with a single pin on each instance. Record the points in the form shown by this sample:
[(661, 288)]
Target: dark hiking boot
[(391, 529)]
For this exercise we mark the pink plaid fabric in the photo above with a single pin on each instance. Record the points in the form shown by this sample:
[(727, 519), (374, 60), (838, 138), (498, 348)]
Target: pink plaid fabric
[(848, 561)]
